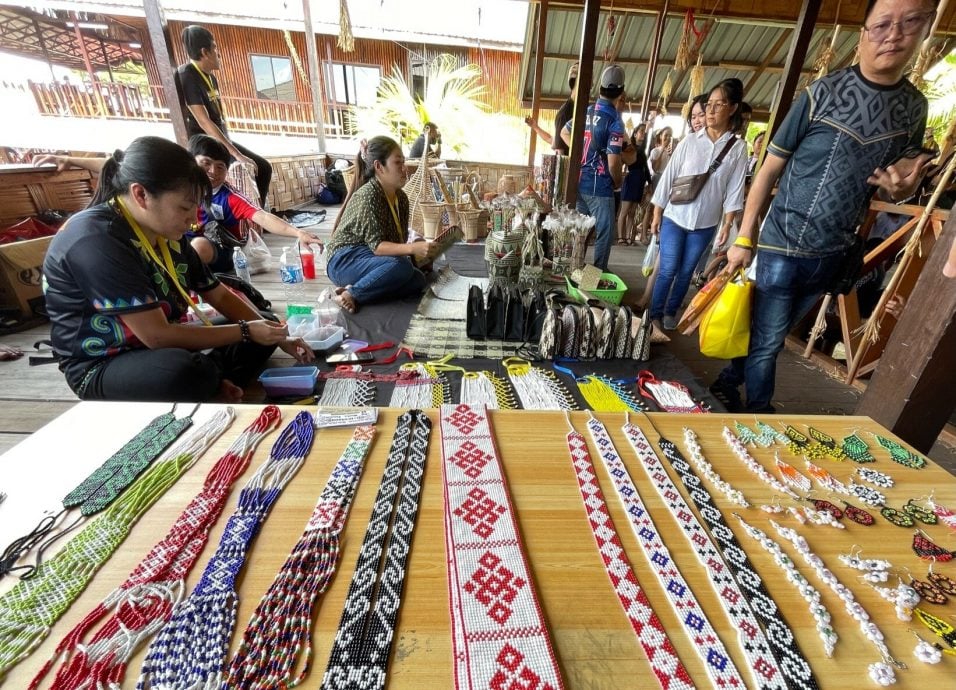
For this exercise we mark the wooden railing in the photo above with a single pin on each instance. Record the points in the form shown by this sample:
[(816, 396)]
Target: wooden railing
[(128, 102)]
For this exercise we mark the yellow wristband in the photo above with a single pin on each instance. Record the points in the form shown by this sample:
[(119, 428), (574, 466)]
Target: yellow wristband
[(743, 242)]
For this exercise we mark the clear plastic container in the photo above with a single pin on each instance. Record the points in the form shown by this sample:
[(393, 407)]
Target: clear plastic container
[(283, 381)]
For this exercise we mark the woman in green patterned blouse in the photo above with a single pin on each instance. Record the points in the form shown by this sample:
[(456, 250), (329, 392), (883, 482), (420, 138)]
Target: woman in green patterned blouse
[(370, 257)]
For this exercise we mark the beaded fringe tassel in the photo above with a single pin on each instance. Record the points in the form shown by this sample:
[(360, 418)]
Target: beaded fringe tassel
[(29, 610), (363, 642), (142, 604), (282, 623), (189, 650)]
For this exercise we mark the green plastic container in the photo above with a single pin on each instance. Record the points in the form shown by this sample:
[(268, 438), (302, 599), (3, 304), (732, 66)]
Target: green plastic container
[(613, 296)]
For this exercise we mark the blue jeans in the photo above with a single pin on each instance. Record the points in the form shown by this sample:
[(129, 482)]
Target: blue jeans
[(787, 287), (680, 249), (374, 277), (602, 208)]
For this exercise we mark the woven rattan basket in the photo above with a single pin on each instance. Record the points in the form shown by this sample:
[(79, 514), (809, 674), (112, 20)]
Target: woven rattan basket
[(419, 189)]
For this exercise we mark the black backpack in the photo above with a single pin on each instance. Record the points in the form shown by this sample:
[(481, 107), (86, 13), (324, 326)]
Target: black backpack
[(258, 300), (335, 183)]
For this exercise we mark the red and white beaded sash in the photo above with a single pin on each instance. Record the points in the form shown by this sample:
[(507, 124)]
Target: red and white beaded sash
[(650, 632), (499, 637)]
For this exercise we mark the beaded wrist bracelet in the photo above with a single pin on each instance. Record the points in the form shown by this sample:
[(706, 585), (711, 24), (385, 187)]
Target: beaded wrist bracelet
[(244, 334)]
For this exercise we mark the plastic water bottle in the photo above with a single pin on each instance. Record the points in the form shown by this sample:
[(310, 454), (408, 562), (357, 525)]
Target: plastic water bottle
[(241, 265), (290, 271)]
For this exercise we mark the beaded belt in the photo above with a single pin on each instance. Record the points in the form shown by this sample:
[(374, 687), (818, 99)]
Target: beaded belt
[(720, 667), (359, 657), (189, 650), (499, 636), (282, 622), (142, 604), (650, 632), (29, 610), (740, 583)]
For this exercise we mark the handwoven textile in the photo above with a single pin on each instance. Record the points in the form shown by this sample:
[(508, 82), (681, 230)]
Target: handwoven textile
[(499, 636), (437, 337), (282, 623), (360, 652)]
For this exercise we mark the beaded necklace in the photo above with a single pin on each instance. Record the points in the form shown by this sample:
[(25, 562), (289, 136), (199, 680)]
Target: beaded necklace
[(189, 650), (657, 645), (30, 609), (669, 396), (142, 604), (775, 658), (282, 623), (604, 394), (809, 593), (705, 468), (882, 671), (350, 391), (362, 645), (488, 389), (101, 487), (710, 650), (499, 635), (426, 388), (537, 388)]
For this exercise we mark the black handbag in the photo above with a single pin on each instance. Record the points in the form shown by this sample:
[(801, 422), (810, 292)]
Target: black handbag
[(476, 326), (496, 313), (850, 269), (686, 188)]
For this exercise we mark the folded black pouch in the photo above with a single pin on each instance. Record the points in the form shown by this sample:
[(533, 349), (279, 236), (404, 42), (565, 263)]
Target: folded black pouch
[(476, 325), (850, 268), (505, 314)]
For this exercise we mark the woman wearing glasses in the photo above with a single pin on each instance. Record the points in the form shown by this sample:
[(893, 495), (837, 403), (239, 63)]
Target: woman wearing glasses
[(686, 227)]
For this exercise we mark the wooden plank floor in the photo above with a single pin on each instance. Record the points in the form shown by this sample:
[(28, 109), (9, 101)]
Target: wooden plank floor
[(31, 396)]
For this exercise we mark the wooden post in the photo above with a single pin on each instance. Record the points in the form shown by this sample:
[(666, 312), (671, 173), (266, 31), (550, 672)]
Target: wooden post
[(652, 63), (538, 67), (158, 32), (313, 58), (42, 43), (796, 57), (94, 83), (106, 59), (913, 390), (592, 10)]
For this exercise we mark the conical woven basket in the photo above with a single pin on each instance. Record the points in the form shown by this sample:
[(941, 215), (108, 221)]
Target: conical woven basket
[(418, 189)]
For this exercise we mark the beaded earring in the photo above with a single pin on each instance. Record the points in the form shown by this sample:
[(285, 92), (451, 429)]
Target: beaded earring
[(927, 550), (822, 517), (747, 435), (899, 454), (875, 477), (825, 479), (791, 476), (940, 628), (827, 507), (903, 597), (828, 442), (867, 494), (926, 652), (858, 515), (856, 449), (896, 517), (929, 591), (768, 432), (944, 583), (924, 515), (875, 570), (944, 514)]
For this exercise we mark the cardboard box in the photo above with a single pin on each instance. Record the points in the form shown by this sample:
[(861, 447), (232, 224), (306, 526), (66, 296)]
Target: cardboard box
[(21, 265)]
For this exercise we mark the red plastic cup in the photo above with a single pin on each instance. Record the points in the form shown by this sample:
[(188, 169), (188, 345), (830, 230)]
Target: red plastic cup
[(308, 264)]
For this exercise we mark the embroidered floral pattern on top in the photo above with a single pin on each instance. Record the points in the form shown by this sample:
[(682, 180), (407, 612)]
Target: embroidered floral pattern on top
[(657, 646), (499, 635)]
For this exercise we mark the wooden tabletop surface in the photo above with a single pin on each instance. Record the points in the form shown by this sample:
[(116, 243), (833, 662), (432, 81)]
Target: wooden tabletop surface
[(594, 644)]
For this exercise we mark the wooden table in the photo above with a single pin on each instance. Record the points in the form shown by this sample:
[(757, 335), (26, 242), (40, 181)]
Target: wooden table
[(594, 644)]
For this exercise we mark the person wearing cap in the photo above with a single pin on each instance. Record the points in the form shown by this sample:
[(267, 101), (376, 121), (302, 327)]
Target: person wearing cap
[(564, 114), (601, 163)]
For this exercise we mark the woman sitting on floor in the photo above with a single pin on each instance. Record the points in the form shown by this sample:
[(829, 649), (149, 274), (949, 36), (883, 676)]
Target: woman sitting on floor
[(118, 276), (370, 257)]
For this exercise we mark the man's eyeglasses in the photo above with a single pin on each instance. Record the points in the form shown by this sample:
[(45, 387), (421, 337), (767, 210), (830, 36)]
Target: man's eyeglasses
[(879, 31), (715, 105)]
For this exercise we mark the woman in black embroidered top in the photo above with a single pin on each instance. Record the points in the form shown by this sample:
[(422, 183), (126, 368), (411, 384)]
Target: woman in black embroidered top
[(117, 279), (370, 257)]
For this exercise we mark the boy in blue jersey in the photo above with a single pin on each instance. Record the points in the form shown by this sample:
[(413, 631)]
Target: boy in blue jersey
[(601, 163)]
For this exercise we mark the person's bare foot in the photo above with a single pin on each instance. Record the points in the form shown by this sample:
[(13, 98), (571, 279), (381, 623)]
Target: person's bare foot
[(229, 392), (8, 353), (344, 299)]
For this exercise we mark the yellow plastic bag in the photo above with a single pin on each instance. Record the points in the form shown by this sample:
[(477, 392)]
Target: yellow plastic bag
[(725, 328)]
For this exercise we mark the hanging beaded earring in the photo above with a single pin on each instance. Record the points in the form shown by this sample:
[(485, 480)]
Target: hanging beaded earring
[(944, 514), (940, 628), (747, 435), (822, 517), (856, 449), (927, 550), (875, 477), (942, 582), (899, 454), (867, 494), (825, 479), (774, 507), (875, 570), (896, 517), (924, 515), (903, 597), (928, 591), (926, 652), (828, 442), (792, 476), (858, 515), (827, 507)]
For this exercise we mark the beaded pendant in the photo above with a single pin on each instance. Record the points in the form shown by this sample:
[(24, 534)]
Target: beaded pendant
[(856, 449), (899, 454)]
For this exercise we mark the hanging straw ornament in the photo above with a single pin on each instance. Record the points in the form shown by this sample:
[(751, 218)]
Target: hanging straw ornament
[(697, 77), (346, 40), (666, 90), (927, 55), (684, 49)]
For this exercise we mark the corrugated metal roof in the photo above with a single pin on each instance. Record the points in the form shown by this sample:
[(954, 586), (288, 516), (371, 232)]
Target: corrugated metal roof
[(732, 48)]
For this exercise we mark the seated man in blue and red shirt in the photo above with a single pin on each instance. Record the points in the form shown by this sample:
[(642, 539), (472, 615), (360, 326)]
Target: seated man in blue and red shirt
[(227, 208)]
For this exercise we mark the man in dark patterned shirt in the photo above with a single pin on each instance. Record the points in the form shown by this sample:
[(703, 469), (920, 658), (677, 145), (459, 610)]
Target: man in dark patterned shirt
[(851, 134)]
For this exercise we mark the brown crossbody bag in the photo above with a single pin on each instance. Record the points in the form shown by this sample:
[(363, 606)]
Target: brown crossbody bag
[(685, 188)]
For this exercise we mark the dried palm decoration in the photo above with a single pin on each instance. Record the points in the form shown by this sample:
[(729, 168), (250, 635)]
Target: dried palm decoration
[(295, 56), (666, 91), (827, 52), (684, 48), (697, 77), (346, 40), (927, 55)]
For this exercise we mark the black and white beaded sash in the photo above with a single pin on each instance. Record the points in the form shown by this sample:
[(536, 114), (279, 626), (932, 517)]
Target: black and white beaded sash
[(499, 636), (720, 667), (667, 666), (359, 657), (792, 662), (764, 667)]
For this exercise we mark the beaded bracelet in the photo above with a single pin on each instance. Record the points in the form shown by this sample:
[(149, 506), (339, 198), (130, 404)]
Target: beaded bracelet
[(809, 593), (244, 335), (705, 468)]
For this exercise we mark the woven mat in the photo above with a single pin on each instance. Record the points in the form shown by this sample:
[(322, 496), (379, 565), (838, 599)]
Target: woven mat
[(438, 337)]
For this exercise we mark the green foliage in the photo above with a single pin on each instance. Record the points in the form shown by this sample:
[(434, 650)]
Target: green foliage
[(941, 93)]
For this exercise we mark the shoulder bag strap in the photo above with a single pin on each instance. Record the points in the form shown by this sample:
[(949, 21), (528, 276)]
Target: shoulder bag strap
[(720, 158)]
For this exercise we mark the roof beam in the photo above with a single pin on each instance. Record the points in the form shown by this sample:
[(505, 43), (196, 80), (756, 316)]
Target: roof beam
[(765, 63), (741, 65), (652, 63)]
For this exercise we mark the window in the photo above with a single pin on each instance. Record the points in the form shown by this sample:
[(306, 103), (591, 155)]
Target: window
[(353, 84), (273, 77)]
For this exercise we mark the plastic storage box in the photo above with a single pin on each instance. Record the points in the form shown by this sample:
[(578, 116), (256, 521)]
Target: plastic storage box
[(324, 338), (284, 381), (613, 296)]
